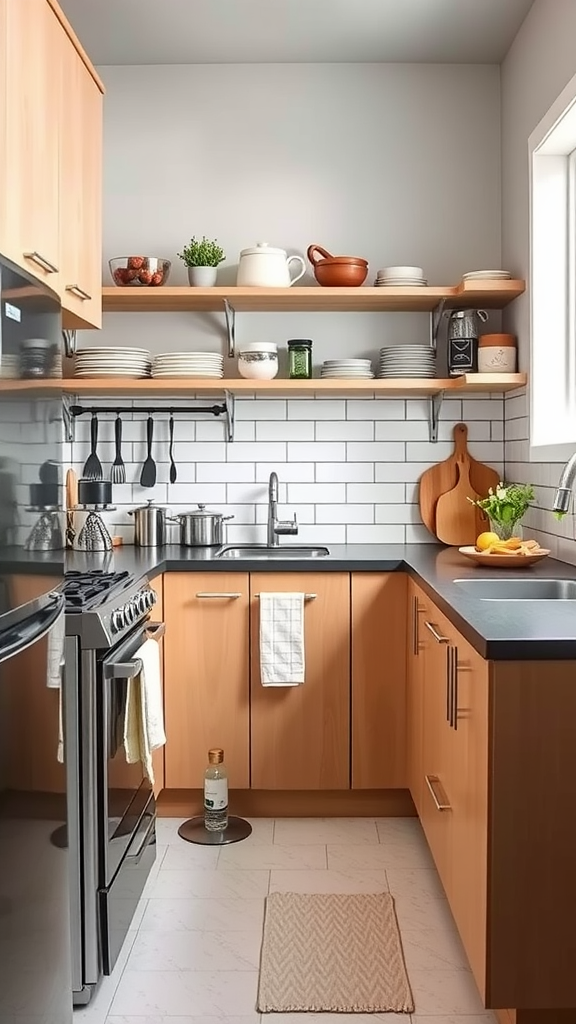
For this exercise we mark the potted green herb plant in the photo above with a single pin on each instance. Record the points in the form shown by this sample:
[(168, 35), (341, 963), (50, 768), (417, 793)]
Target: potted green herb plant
[(505, 507), (202, 259)]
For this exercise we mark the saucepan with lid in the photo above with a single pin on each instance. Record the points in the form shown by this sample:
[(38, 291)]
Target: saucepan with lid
[(149, 525), (201, 528)]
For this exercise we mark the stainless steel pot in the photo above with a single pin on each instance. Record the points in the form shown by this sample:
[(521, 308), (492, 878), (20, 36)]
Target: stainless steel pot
[(202, 528), (149, 525)]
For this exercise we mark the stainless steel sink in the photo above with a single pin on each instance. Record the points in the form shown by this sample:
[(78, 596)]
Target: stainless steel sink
[(519, 590), (282, 551)]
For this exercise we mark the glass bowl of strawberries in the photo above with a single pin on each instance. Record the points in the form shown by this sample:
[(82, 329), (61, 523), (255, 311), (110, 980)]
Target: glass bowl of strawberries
[(139, 271)]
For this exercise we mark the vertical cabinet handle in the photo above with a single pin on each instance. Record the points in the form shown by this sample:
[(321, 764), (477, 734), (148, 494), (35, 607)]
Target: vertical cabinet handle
[(449, 685), (37, 257), (415, 645), (455, 688)]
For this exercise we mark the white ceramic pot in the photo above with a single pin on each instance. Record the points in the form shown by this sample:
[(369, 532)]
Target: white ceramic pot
[(258, 361), (265, 267), (496, 360), (202, 277)]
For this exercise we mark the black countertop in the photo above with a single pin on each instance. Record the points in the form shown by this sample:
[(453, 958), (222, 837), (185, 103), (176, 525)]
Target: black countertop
[(507, 630)]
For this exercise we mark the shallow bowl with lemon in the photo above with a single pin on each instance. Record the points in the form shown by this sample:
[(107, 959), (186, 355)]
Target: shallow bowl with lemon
[(513, 553)]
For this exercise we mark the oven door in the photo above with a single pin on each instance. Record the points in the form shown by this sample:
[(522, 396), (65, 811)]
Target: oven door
[(125, 794)]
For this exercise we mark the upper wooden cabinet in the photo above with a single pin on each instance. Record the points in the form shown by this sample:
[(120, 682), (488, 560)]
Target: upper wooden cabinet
[(81, 193), (30, 159), (51, 156), (300, 735), (206, 676), (378, 680)]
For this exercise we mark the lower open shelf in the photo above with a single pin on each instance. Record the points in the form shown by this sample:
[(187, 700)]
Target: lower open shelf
[(468, 384)]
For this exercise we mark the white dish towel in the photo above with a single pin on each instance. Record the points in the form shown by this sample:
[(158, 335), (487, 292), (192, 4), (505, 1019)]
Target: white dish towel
[(55, 668), (144, 717), (281, 639)]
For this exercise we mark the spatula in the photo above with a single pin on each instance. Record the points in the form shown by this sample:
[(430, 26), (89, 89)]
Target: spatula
[(148, 474), (173, 470), (455, 514), (93, 467)]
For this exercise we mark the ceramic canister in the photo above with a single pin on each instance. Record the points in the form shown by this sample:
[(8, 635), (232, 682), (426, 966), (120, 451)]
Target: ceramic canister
[(497, 353)]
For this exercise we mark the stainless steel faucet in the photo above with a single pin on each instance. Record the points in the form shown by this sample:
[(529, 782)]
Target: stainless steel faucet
[(275, 527), (565, 486)]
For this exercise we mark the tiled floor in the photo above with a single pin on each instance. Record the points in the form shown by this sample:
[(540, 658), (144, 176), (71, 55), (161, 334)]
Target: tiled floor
[(192, 956)]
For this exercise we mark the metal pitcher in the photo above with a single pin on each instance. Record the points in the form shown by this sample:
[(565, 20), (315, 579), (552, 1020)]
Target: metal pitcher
[(465, 323)]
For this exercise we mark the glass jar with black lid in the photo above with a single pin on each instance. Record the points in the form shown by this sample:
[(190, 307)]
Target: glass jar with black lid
[(300, 358)]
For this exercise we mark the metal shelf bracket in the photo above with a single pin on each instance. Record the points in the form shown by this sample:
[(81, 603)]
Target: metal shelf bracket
[(229, 402), (67, 418), (435, 404), (230, 327), (435, 319)]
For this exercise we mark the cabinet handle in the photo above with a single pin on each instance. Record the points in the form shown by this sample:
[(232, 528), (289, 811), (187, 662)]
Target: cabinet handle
[(231, 597), (449, 685), (415, 625), (77, 290), (307, 597), (437, 636), (455, 688), (431, 781), (36, 257)]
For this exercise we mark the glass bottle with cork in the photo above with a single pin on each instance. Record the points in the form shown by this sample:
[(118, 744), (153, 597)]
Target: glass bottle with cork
[(216, 792)]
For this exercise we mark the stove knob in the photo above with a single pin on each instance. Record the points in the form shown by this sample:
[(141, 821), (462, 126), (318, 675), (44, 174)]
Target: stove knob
[(118, 621), (142, 602), (130, 612), (152, 598)]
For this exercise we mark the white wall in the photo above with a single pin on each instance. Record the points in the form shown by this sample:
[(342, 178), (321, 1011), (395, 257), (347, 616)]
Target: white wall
[(396, 163), (539, 64)]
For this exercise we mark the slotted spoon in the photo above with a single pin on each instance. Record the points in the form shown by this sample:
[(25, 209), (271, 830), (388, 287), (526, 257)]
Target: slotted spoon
[(118, 470), (93, 467), (148, 474)]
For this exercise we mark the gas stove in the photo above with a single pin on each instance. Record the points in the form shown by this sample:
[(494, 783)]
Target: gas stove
[(103, 607)]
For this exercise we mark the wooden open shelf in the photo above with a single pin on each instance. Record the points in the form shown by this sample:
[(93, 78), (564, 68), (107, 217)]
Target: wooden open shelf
[(166, 388), (489, 294)]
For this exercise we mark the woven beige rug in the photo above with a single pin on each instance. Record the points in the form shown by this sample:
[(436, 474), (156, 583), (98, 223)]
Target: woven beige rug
[(339, 954)]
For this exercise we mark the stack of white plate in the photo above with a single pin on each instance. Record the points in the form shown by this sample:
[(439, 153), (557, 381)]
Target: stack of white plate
[(9, 367), (112, 362), (487, 275), (350, 369), (395, 277), (407, 361), (188, 364)]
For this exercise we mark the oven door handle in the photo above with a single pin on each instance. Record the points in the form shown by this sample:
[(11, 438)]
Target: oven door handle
[(123, 669), (137, 857), (155, 630)]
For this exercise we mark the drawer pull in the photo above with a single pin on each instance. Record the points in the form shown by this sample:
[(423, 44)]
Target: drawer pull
[(307, 597), (455, 688), (77, 290), (36, 257), (214, 595), (437, 636), (449, 685), (415, 625), (431, 782)]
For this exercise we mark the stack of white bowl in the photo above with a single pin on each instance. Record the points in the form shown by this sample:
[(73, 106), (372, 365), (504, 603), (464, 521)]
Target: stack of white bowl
[(396, 277), (188, 364), (407, 361), (112, 362), (347, 369), (487, 275)]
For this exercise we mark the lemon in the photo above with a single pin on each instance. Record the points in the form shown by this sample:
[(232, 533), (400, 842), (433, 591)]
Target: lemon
[(485, 540)]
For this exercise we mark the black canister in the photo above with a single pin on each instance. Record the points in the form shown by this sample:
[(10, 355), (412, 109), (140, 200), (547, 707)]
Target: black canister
[(462, 356), (300, 358)]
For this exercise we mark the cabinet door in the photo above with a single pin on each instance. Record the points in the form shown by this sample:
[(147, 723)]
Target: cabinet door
[(206, 676), (468, 795), (436, 815), (300, 735), (378, 680), (81, 194), (29, 163), (418, 607)]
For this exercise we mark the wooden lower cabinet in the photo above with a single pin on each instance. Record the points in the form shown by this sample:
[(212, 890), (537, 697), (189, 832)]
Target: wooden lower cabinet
[(206, 669), (378, 680), (300, 736), (417, 607)]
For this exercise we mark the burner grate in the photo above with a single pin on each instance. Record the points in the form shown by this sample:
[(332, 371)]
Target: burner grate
[(81, 589)]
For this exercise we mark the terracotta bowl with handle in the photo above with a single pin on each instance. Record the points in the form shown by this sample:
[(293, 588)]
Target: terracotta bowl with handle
[(337, 271)]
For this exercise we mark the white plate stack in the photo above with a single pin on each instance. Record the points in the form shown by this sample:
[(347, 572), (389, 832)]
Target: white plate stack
[(188, 364), (347, 369), (407, 361), (487, 275), (400, 277), (112, 362)]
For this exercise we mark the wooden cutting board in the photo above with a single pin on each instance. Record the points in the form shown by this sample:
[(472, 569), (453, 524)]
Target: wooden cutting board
[(442, 478), (456, 521), (71, 502)]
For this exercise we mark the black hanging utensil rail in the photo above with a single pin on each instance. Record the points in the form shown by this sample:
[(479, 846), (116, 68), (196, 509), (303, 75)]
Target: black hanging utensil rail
[(226, 409)]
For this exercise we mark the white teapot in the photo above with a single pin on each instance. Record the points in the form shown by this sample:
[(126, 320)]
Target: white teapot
[(265, 267)]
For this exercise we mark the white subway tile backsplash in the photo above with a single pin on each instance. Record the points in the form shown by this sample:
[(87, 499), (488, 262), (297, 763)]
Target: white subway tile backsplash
[(348, 472), (320, 451), (375, 493), (303, 513), (316, 409), (400, 513), (225, 472), (199, 451), (299, 473), (345, 513), (243, 514), (285, 430), (517, 430), (428, 451), (324, 534), (380, 534), (376, 409), (262, 409), (243, 451), (405, 430), (516, 406), (247, 493), (482, 409), (194, 494), (381, 451), (317, 494), (211, 430), (344, 430), (419, 535), (405, 472)]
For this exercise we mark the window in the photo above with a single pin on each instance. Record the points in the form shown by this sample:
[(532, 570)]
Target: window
[(552, 150)]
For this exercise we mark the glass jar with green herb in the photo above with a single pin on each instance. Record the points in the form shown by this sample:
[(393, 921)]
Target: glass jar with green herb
[(300, 358)]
